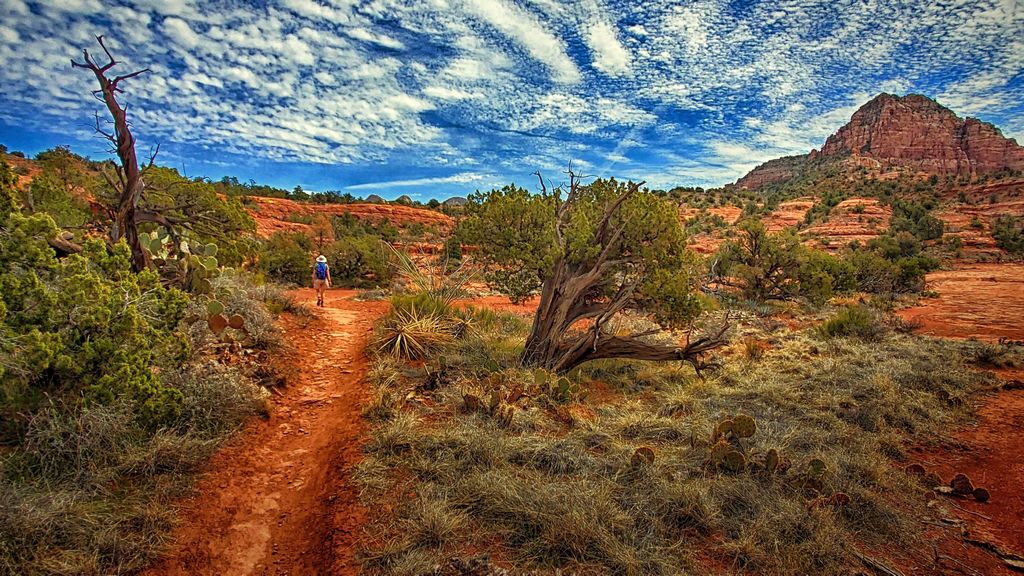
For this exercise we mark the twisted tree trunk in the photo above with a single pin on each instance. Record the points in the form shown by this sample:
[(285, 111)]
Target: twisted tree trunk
[(572, 293)]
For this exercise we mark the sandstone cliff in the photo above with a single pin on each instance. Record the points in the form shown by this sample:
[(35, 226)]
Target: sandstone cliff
[(911, 132)]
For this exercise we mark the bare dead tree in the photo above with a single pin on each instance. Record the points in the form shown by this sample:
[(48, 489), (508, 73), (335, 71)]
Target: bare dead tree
[(128, 183), (574, 292)]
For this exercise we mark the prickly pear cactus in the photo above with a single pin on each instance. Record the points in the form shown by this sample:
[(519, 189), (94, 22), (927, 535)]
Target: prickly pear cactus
[(771, 461), (961, 484), (188, 267), (642, 455), (734, 461), (743, 426)]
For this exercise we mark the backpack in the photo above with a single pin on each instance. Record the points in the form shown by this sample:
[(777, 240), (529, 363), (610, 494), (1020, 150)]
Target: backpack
[(321, 270)]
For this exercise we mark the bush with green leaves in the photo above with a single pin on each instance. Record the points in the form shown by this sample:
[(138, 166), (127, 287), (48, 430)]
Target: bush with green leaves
[(82, 328), (347, 225), (915, 217), (857, 321), (1008, 232), (287, 257), (779, 267), (360, 261), (890, 264)]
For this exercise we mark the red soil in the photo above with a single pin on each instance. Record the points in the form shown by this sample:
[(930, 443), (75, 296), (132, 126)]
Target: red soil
[(988, 452), (272, 214), (278, 499), (983, 301)]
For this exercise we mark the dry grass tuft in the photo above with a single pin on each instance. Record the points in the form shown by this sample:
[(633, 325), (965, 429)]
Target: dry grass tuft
[(554, 491)]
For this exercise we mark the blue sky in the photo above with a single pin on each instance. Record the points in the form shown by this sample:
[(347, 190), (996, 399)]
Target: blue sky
[(434, 98)]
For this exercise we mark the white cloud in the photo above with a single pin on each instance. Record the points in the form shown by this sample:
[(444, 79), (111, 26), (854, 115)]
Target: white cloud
[(610, 56), (445, 93), (462, 178), (512, 83), (531, 34), (182, 34)]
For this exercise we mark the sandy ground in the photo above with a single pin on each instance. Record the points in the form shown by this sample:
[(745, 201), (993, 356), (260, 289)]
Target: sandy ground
[(983, 301)]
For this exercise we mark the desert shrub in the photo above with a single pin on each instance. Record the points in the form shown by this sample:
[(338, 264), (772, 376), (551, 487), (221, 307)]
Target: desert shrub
[(915, 218), (108, 406), (299, 218), (48, 194), (777, 266), (81, 327), (412, 333), (856, 321), (287, 257), (347, 225), (1008, 232), (453, 249), (890, 264), (360, 261)]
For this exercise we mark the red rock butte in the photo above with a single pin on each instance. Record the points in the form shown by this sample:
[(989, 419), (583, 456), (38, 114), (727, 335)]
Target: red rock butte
[(912, 132)]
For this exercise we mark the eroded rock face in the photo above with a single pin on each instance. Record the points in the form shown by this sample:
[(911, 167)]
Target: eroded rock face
[(772, 171), (911, 132), (272, 214), (916, 132)]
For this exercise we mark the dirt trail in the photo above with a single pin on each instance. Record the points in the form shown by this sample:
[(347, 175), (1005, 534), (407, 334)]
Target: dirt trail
[(277, 500)]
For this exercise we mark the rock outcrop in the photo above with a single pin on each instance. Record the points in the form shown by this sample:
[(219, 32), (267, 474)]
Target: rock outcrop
[(916, 132), (274, 214), (911, 132), (772, 171)]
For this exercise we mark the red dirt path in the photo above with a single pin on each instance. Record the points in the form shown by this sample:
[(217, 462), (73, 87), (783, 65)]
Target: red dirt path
[(989, 453), (278, 500)]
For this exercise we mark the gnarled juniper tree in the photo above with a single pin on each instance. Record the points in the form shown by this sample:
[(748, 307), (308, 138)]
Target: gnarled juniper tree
[(604, 248)]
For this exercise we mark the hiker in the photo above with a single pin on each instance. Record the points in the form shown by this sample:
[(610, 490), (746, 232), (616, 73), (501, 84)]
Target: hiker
[(321, 278)]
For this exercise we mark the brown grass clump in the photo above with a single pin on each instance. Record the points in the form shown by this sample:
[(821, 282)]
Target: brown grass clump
[(558, 487)]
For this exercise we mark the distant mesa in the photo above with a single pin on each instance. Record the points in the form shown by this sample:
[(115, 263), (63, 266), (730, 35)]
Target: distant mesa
[(404, 200), (374, 199), (455, 201), (911, 132)]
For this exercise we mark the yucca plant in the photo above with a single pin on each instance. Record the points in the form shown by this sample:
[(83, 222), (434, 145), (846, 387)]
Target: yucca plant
[(434, 280), (409, 334)]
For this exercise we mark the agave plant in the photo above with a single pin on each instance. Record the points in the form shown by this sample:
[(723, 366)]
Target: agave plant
[(411, 335)]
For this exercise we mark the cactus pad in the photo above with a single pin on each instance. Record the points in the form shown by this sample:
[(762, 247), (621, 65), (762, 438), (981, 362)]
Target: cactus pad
[(816, 468), (472, 402), (981, 494), (839, 499), (734, 461), (643, 455), (719, 450), (215, 307), (725, 427), (744, 426), (915, 470), (771, 460), (961, 484), (236, 321), (932, 480), (515, 394), (217, 323)]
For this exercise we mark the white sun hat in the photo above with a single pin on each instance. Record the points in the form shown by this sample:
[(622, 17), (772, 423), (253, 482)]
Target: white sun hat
[(321, 258)]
